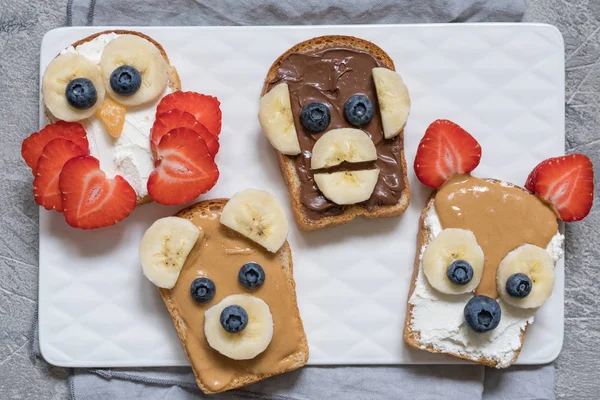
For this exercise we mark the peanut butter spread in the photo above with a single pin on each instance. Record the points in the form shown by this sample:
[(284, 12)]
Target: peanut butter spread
[(218, 255), (501, 217)]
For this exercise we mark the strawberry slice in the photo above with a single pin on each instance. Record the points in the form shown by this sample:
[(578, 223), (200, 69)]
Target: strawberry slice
[(32, 147), (206, 109), (567, 183), (45, 185), (183, 170), (91, 200), (170, 120), (445, 150)]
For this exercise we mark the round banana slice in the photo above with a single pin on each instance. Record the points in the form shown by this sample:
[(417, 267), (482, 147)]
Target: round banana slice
[(142, 55), (343, 144), (259, 216), (450, 245), (277, 121), (251, 340), (347, 187), (537, 265), (164, 249), (393, 99), (59, 73)]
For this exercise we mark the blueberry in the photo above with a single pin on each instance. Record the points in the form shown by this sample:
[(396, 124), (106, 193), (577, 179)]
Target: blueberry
[(518, 285), (251, 276), (234, 319), (81, 93), (482, 313), (125, 80), (315, 117), (358, 110), (202, 290), (460, 272)]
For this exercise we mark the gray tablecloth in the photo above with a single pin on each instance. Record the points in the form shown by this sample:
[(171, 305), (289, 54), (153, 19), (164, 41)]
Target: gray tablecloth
[(408, 382)]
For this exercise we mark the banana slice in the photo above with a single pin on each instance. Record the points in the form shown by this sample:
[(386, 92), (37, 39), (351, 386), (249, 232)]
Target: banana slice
[(142, 55), (448, 246), (259, 216), (342, 144), (251, 340), (164, 249), (537, 265), (347, 187), (62, 70), (394, 101), (277, 121)]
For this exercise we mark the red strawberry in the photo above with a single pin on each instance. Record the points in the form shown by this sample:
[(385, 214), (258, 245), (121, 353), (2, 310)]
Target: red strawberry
[(45, 185), (90, 199), (206, 109), (567, 183), (445, 150), (170, 120), (183, 168), (32, 147)]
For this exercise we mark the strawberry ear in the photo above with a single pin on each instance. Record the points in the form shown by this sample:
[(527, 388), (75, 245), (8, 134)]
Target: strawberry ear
[(445, 150), (566, 183)]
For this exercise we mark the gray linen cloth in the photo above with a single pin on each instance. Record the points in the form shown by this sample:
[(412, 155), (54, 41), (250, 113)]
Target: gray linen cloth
[(343, 382)]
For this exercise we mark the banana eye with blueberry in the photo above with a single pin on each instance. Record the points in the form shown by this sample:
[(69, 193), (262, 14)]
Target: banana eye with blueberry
[(525, 277), (134, 70), (72, 87)]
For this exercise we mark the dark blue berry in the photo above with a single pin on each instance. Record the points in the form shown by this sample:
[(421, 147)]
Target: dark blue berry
[(81, 93), (482, 313), (202, 290), (358, 110), (518, 285), (315, 117), (460, 272), (251, 276), (125, 80), (234, 319)]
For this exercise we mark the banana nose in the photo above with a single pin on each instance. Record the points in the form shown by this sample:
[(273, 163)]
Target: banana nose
[(112, 115)]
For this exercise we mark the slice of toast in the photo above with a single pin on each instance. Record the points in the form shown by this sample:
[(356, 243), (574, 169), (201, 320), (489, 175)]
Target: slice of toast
[(243, 374), (286, 163), (411, 336), (174, 82)]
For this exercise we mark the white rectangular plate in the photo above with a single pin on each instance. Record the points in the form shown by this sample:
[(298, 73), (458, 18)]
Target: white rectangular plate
[(504, 83)]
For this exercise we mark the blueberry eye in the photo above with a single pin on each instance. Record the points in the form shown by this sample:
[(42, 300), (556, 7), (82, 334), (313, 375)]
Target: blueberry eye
[(460, 272), (251, 276), (125, 80), (234, 319), (518, 285), (202, 290), (81, 93), (315, 117), (358, 110)]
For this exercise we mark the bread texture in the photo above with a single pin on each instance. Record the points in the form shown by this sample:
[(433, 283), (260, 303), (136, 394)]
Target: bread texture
[(412, 337), (285, 256), (286, 163), (174, 81)]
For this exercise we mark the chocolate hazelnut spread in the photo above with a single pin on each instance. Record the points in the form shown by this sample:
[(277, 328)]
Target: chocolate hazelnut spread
[(218, 255), (501, 217), (332, 76)]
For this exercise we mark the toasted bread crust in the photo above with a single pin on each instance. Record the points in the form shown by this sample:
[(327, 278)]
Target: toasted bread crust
[(286, 163), (174, 81), (412, 337), (285, 255)]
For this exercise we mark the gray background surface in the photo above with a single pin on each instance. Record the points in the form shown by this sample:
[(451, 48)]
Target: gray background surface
[(22, 26)]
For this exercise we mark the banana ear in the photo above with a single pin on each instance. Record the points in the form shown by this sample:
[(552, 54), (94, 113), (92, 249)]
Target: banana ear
[(393, 99)]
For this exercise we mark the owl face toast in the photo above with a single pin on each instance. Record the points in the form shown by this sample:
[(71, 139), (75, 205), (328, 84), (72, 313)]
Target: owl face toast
[(115, 103), (487, 248), (334, 109), (229, 289)]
